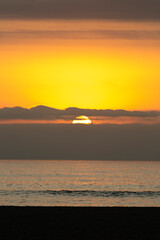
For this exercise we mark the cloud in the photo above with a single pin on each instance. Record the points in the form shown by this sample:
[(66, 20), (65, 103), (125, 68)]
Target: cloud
[(94, 142), (47, 113), (88, 34), (80, 9)]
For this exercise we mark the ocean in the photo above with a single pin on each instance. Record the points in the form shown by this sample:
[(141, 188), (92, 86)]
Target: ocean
[(79, 183)]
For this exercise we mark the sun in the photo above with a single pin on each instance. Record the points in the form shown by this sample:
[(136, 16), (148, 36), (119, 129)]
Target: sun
[(82, 120)]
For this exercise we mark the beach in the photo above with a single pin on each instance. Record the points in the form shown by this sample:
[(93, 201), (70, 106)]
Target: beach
[(79, 223)]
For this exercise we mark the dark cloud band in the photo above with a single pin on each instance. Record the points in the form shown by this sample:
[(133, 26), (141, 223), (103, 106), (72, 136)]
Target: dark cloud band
[(94, 142), (80, 9), (46, 113)]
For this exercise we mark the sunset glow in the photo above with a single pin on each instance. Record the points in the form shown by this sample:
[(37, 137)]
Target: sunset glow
[(86, 64)]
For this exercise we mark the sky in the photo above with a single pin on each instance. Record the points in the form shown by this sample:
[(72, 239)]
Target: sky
[(98, 54), (64, 58)]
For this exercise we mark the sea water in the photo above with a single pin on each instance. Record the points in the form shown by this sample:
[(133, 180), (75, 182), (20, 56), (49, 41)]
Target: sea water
[(79, 183)]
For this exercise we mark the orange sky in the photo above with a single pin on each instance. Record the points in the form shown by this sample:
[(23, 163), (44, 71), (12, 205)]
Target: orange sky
[(85, 64)]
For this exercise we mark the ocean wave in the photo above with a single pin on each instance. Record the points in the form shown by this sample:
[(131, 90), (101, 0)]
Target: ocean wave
[(82, 193)]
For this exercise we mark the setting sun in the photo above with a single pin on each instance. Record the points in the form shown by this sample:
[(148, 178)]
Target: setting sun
[(82, 120)]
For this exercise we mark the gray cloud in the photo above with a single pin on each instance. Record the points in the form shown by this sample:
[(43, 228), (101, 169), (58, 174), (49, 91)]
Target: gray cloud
[(47, 113), (95, 142), (90, 34), (79, 9)]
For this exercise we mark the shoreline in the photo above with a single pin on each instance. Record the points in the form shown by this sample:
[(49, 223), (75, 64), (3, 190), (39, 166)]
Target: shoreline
[(99, 223)]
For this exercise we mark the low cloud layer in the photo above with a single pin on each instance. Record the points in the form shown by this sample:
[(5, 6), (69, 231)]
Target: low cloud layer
[(47, 113), (80, 9), (72, 142)]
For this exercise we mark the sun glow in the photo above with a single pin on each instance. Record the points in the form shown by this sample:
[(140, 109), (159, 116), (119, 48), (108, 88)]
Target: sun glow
[(113, 65), (82, 120)]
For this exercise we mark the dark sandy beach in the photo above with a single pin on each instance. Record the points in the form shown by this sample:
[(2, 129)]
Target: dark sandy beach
[(79, 223)]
